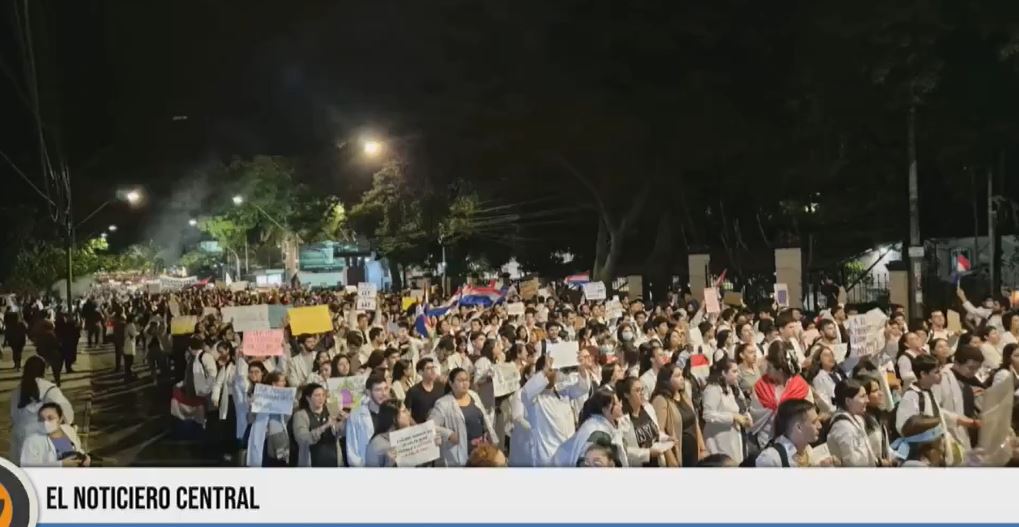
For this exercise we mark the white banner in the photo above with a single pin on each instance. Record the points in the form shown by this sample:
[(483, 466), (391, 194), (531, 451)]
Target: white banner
[(172, 283)]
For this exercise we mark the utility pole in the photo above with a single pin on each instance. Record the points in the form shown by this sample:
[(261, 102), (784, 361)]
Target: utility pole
[(916, 252), (990, 233)]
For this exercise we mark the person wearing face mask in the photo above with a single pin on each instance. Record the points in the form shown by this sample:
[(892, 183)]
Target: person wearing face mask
[(56, 444)]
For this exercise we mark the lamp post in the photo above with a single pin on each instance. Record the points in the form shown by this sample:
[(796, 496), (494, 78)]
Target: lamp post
[(132, 197)]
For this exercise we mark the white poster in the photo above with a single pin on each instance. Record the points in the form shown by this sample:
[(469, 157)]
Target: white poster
[(515, 309), (563, 354), (239, 285), (614, 309), (272, 400), (415, 445), (247, 318), (782, 295), (594, 291), (505, 378), (366, 304), (367, 290)]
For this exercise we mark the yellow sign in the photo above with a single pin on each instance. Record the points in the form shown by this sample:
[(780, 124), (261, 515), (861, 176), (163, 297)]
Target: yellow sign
[(406, 302), (183, 325), (314, 319)]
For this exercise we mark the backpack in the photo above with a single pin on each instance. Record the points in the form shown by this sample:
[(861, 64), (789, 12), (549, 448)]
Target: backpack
[(190, 383), (822, 437), (893, 431), (782, 455)]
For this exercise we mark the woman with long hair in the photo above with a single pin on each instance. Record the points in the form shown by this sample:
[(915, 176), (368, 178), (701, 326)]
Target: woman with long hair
[(28, 397), (823, 375), (318, 434), (1009, 372), (781, 383), (56, 444), (748, 366), (601, 414), (461, 420), (393, 415), (268, 439), (848, 437), (726, 412), (677, 417), (642, 436)]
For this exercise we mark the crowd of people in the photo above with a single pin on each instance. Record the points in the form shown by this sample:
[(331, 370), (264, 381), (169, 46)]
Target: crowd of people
[(675, 383)]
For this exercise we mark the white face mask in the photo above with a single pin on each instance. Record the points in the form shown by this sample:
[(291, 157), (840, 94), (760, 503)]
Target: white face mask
[(50, 426), (627, 336)]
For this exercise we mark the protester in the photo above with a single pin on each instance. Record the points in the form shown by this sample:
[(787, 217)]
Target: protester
[(360, 427), (56, 444), (848, 440), (317, 433), (461, 420), (726, 412), (602, 413), (796, 427), (549, 410), (28, 398)]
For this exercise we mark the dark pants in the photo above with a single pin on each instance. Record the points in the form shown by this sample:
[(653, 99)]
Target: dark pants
[(70, 352), (221, 434), (128, 363), (94, 334), (18, 349), (118, 353), (56, 363), (157, 361)]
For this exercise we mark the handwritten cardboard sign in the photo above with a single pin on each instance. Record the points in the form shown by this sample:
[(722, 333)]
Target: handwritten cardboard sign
[(711, 305), (515, 309), (414, 445), (563, 354), (348, 390), (505, 378), (260, 343), (272, 400), (594, 291)]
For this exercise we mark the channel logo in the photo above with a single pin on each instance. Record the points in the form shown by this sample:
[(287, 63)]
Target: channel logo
[(18, 506)]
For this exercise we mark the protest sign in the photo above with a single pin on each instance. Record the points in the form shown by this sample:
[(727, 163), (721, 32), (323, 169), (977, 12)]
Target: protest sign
[(183, 325), (529, 289), (272, 400), (365, 304), (248, 318), (711, 301), (312, 319), (865, 332), (782, 295), (209, 310), (171, 283), (259, 343), (505, 378), (840, 351), (277, 315), (515, 309), (594, 291), (563, 354), (350, 289), (414, 445), (367, 290), (153, 288), (954, 322), (614, 309), (733, 299), (348, 390), (996, 422), (240, 285), (406, 302)]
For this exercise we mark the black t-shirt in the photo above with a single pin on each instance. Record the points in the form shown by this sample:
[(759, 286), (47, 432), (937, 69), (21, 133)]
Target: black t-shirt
[(474, 419), (420, 401), (645, 429)]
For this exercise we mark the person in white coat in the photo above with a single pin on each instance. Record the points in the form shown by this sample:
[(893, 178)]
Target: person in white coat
[(848, 440), (461, 420), (726, 411), (302, 365), (55, 445), (28, 397), (957, 395), (268, 437), (241, 388), (601, 415), (549, 411), (360, 424)]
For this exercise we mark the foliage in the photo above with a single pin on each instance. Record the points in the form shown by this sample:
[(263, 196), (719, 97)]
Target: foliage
[(40, 266), (200, 263)]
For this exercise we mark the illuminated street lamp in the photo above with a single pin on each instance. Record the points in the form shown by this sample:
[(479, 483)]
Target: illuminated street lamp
[(112, 228), (238, 199), (193, 222), (372, 148)]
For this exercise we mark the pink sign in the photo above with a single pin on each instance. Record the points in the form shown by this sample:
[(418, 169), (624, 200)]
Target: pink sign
[(262, 343)]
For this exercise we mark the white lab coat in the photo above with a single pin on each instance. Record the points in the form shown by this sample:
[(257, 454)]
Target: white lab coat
[(574, 448), (849, 443), (449, 419), (649, 379), (259, 432), (721, 433), (25, 421), (299, 371), (38, 449), (518, 429), (221, 391), (550, 415), (949, 397), (909, 406), (824, 389), (359, 432)]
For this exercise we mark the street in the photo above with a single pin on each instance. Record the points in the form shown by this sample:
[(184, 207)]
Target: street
[(119, 424)]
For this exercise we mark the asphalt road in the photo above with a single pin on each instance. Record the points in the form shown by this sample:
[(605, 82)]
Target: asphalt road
[(121, 424)]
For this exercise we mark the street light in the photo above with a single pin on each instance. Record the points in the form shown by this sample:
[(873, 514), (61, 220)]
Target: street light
[(112, 228), (238, 200), (372, 148), (193, 222), (133, 196)]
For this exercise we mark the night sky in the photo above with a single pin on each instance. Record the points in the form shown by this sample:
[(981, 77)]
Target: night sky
[(297, 78)]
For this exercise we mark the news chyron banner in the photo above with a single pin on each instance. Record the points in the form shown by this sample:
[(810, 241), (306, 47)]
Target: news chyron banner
[(65, 497)]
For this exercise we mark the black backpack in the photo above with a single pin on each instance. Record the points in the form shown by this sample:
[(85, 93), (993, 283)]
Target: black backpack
[(893, 431)]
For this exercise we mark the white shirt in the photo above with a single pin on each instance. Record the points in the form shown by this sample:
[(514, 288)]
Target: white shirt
[(550, 415), (770, 458), (910, 406)]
